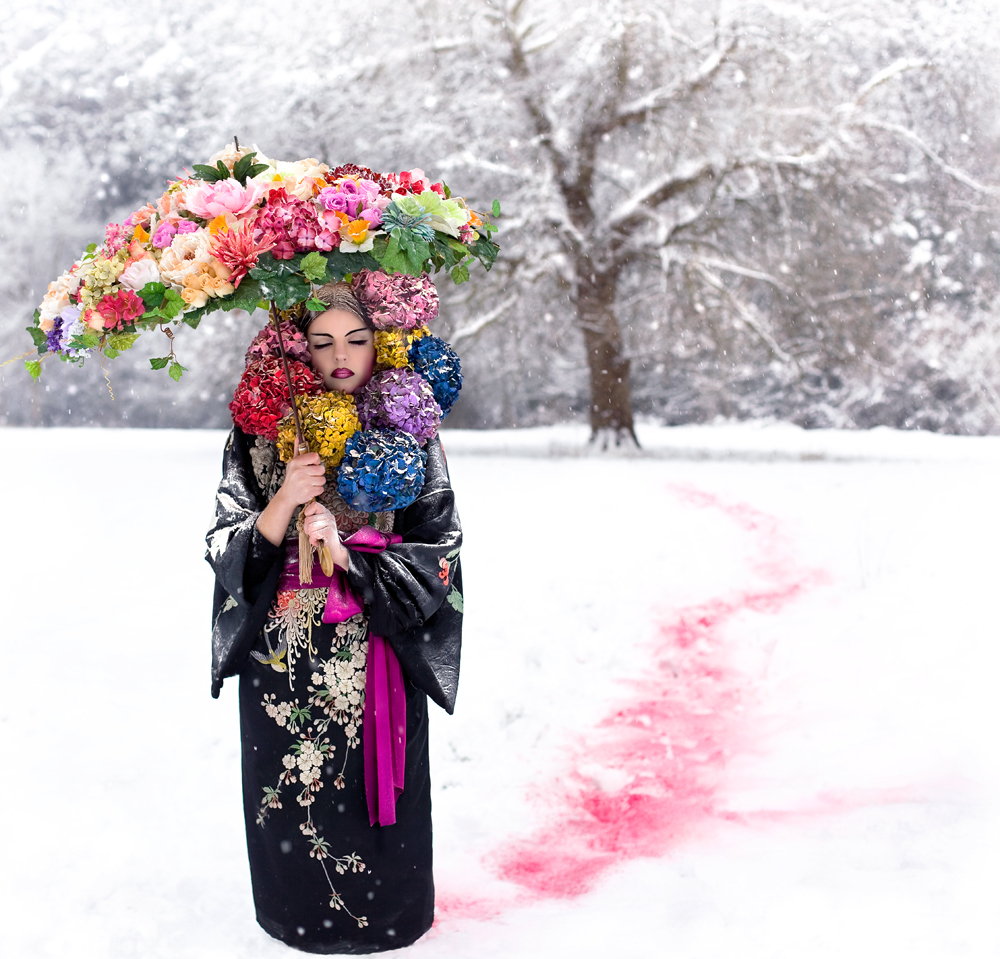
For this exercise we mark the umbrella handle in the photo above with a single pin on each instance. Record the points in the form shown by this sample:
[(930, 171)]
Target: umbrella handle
[(306, 548)]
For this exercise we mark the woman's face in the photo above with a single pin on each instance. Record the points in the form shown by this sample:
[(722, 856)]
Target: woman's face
[(342, 350)]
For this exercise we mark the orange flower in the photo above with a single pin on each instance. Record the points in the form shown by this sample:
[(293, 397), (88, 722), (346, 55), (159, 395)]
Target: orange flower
[(357, 230)]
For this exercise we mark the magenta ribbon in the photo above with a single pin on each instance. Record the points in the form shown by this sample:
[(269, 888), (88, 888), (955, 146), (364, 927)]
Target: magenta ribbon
[(384, 723)]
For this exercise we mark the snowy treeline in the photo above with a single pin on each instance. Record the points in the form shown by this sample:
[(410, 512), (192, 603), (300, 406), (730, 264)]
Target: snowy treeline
[(736, 209)]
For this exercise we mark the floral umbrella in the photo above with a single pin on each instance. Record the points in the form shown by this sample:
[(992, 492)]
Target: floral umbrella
[(245, 231)]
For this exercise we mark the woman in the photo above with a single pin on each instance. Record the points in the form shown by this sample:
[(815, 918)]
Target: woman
[(334, 869)]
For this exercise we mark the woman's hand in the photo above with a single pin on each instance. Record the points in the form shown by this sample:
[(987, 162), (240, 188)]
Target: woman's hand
[(320, 525), (304, 480)]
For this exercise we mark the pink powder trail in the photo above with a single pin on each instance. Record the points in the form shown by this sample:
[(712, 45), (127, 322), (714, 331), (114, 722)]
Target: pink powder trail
[(649, 775)]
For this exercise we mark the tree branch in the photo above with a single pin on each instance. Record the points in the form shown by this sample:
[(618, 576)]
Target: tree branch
[(745, 313), (640, 108), (905, 133)]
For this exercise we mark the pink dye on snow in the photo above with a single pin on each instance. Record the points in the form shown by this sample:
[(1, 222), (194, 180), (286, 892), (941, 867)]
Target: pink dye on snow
[(661, 754), (650, 774)]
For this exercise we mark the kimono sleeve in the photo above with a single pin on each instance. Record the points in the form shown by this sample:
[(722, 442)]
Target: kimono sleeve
[(246, 564), (412, 589)]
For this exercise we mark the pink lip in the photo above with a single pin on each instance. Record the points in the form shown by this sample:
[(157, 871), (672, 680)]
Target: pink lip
[(342, 374)]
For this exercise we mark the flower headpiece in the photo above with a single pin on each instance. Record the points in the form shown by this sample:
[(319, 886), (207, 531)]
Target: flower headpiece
[(372, 441)]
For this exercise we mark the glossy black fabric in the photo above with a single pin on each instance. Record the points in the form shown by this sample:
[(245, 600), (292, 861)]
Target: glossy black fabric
[(404, 590), (401, 587), (394, 894)]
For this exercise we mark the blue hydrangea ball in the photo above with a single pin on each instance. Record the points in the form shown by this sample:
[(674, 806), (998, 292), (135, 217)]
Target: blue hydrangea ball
[(381, 470), (439, 364)]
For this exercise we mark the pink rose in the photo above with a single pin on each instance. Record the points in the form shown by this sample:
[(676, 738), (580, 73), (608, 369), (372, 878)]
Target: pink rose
[(210, 200)]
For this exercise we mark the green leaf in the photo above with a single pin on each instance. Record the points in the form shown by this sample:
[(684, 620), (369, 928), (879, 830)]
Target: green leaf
[(460, 273), (314, 267), (38, 338), (152, 293), (193, 318), (317, 306), (241, 166), (34, 367), (224, 173), (176, 371), (246, 296), (110, 352), (122, 341), (90, 248), (267, 266), (339, 265), (285, 291), (209, 173), (85, 341), (495, 209), (159, 362), (455, 600)]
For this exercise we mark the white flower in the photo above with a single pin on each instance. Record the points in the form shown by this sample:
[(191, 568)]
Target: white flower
[(186, 254), (140, 272)]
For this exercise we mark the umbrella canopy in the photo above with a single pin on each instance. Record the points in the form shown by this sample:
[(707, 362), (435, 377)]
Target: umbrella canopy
[(245, 231)]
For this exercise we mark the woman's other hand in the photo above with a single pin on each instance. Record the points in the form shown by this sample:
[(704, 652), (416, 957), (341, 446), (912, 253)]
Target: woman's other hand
[(320, 525)]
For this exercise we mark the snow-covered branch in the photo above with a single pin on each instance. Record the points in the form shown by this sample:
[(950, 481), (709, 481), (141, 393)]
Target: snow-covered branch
[(744, 311), (906, 134), (642, 107), (473, 329)]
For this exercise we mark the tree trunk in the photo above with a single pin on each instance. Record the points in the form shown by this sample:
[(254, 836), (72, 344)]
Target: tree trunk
[(611, 421)]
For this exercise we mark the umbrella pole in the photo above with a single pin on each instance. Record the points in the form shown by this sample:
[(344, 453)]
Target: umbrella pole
[(306, 548)]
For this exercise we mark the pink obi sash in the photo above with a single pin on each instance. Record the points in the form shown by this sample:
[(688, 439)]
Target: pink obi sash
[(383, 726)]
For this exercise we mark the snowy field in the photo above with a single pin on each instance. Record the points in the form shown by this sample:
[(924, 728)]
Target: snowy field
[(735, 697)]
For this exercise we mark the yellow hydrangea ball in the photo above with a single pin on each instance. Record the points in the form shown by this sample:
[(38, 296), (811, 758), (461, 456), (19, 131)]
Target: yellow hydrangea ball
[(328, 422)]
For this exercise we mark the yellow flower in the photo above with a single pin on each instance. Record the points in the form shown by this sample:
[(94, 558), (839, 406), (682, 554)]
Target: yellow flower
[(328, 422), (391, 349), (357, 230)]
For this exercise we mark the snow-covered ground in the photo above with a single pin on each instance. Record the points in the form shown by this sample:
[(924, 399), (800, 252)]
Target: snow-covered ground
[(734, 697)]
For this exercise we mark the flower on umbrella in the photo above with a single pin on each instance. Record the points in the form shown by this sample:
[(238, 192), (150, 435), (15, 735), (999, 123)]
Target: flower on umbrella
[(164, 234), (239, 248), (301, 179), (396, 300), (294, 224), (139, 272), (210, 200), (446, 216), (116, 237), (57, 297), (98, 276), (399, 400), (120, 309), (185, 254), (208, 278)]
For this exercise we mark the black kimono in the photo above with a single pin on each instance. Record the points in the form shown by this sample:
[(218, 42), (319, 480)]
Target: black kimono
[(324, 879)]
